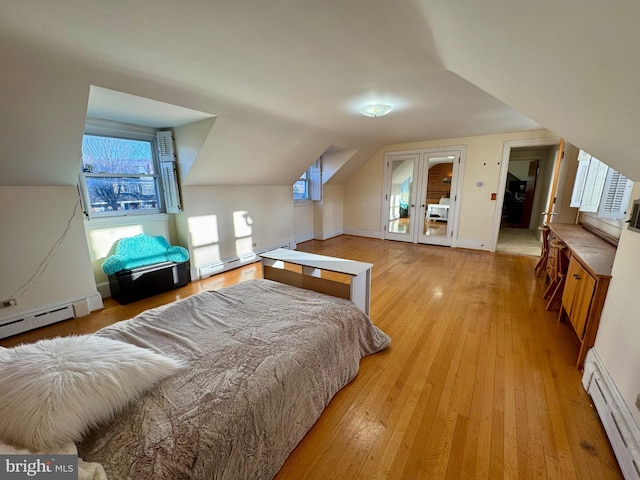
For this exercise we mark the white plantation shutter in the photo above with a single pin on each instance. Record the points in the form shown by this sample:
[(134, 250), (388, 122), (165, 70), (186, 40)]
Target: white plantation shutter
[(581, 179), (594, 185), (616, 195), (315, 180), (168, 171), (165, 146)]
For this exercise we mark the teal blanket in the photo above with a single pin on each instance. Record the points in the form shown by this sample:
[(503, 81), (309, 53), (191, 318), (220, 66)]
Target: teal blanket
[(140, 251)]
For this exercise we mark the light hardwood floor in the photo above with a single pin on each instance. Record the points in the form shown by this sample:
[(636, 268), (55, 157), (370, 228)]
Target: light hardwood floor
[(479, 381)]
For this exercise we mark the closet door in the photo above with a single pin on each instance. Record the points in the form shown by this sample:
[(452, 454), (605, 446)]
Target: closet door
[(438, 196), (400, 197)]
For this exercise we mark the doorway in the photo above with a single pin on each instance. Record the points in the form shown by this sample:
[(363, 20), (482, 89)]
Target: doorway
[(526, 187), (421, 195)]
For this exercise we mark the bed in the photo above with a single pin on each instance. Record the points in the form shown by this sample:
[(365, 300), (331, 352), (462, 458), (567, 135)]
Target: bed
[(263, 360)]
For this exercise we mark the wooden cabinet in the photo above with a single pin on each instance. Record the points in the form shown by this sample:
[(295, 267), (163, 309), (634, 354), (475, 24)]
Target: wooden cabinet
[(577, 296), (587, 281)]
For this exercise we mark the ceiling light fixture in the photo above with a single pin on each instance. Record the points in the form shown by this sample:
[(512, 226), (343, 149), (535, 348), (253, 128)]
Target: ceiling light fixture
[(376, 110)]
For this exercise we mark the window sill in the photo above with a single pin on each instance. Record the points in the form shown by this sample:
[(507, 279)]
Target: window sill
[(301, 203), (127, 219)]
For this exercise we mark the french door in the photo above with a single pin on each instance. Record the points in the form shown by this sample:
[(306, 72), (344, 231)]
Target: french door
[(421, 196), (400, 196)]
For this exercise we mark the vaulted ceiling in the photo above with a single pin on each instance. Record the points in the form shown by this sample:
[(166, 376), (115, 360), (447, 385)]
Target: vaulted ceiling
[(285, 79)]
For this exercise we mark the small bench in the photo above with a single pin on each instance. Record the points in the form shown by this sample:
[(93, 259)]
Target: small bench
[(143, 266)]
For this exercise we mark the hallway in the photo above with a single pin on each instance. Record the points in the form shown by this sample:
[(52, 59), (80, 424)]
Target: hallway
[(518, 241)]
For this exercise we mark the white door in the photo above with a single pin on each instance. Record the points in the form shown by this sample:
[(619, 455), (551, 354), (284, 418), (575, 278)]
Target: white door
[(421, 195), (438, 196), (400, 197)]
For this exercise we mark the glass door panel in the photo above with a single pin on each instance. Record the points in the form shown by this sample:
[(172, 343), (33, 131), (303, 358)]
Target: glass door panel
[(400, 197), (438, 196)]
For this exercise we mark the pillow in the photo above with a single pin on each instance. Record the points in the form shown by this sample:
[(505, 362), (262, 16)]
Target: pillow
[(53, 391)]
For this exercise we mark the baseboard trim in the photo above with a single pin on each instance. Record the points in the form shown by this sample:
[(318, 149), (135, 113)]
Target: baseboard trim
[(327, 235), (103, 289), (363, 233), (621, 428), (304, 237), (472, 244)]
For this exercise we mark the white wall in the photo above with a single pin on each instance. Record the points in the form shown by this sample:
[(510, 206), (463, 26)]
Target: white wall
[(303, 221), (327, 213), (363, 191), (223, 223), (619, 331), (34, 221), (41, 127), (541, 194), (519, 168)]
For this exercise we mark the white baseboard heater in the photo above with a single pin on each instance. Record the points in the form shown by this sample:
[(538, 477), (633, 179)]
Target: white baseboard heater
[(23, 323), (620, 426), (235, 262)]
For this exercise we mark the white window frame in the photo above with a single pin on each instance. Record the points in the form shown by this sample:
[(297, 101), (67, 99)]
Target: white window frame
[(165, 171), (313, 177), (600, 189)]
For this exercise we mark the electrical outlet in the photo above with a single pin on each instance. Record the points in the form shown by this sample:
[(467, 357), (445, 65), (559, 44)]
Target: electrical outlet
[(638, 401), (8, 303)]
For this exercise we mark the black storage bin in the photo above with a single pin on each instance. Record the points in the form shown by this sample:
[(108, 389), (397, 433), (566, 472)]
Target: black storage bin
[(130, 285)]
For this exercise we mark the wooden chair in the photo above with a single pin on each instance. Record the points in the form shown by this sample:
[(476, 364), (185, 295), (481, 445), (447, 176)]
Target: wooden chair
[(544, 255), (557, 264)]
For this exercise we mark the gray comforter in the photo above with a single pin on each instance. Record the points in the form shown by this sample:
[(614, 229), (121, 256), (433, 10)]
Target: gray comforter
[(264, 361)]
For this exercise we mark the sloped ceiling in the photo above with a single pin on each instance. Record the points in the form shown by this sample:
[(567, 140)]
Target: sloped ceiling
[(284, 79), (572, 65)]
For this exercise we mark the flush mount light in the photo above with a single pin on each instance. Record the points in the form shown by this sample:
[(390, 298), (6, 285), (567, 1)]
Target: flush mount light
[(376, 110)]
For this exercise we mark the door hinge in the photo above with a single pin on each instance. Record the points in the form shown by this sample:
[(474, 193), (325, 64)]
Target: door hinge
[(455, 197), (458, 160)]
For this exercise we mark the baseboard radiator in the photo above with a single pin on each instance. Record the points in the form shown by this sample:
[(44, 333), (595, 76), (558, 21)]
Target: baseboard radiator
[(22, 323), (616, 418), (235, 262)]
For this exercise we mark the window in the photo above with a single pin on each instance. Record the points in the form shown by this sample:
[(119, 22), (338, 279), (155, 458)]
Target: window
[(127, 170), (600, 189), (309, 186), (301, 187)]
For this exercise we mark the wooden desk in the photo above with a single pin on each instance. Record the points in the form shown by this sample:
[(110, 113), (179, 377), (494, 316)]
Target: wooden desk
[(358, 290), (587, 281)]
